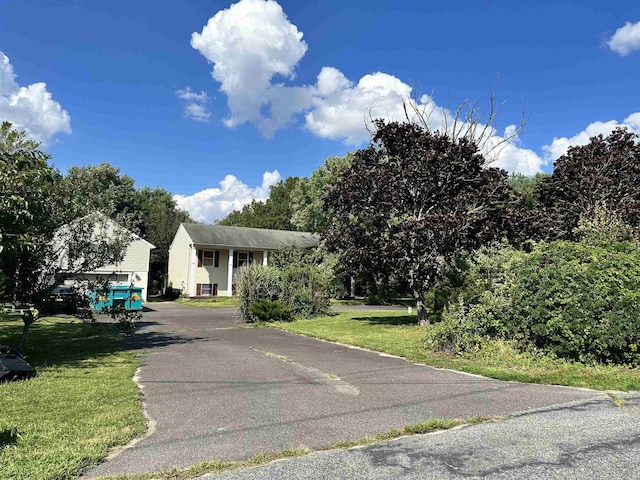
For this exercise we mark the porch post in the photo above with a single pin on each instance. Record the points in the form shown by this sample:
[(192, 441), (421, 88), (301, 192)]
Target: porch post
[(265, 255), (191, 281), (230, 274)]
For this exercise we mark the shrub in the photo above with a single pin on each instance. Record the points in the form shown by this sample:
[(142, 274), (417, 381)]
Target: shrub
[(256, 282), (603, 224), (125, 319), (270, 311), (297, 279), (578, 301), (306, 281)]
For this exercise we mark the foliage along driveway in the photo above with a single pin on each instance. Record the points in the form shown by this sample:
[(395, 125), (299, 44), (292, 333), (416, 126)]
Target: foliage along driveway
[(216, 391)]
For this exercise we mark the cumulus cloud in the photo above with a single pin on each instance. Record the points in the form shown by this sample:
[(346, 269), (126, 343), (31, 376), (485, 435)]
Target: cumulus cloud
[(249, 44), (626, 39), (30, 108), (215, 203), (194, 108), (343, 110), (559, 146), (504, 151), (254, 49)]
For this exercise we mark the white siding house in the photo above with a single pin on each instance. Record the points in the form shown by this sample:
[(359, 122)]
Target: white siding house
[(132, 270), (204, 259)]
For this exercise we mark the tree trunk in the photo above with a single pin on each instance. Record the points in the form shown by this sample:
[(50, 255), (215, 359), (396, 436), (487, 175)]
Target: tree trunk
[(423, 313)]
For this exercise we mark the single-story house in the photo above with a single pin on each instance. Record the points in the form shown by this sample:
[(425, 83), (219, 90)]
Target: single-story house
[(204, 259), (132, 270)]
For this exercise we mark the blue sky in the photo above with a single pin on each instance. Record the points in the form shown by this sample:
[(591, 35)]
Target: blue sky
[(215, 101)]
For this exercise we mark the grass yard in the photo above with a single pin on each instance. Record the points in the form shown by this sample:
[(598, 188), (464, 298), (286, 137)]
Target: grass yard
[(211, 302), (397, 333), (82, 403)]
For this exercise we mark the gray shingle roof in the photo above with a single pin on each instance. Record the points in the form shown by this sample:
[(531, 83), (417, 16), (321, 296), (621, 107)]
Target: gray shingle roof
[(248, 238)]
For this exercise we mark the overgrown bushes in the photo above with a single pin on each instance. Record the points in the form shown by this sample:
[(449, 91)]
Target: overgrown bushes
[(575, 300), (296, 285), (256, 283)]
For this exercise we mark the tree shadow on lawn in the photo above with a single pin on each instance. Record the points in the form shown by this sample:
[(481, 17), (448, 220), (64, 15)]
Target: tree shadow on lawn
[(393, 320), (75, 344)]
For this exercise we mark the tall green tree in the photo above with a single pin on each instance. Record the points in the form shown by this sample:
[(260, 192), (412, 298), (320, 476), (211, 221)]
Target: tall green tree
[(274, 213), (412, 202), (99, 188), (309, 214), (27, 223)]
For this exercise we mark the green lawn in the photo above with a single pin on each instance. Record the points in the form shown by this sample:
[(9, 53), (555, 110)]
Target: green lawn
[(213, 302), (397, 333), (82, 403)]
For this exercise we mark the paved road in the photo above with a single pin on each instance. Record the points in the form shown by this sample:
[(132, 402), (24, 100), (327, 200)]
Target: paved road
[(590, 439), (217, 391)]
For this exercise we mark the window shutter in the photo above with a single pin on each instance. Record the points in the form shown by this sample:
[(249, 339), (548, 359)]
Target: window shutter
[(235, 259), (250, 258), (199, 260), (216, 259), (198, 289)]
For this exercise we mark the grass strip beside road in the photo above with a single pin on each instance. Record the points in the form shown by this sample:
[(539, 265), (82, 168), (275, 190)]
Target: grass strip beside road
[(82, 403), (396, 333), (434, 425)]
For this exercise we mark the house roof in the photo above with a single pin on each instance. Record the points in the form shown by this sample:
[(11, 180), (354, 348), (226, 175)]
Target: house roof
[(97, 216), (249, 238)]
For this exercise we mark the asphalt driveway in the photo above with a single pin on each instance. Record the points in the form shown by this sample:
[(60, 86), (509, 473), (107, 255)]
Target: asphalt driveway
[(215, 390)]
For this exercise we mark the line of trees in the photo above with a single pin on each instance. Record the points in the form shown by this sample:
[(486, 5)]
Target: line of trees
[(398, 213), (402, 211)]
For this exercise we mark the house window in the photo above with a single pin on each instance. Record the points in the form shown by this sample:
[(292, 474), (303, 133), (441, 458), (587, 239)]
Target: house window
[(242, 259), (208, 258), (206, 289)]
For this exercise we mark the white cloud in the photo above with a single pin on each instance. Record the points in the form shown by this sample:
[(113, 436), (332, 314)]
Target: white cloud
[(505, 152), (196, 112), (190, 95), (215, 203), (559, 146), (30, 108), (626, 39), (252, 42), (194, 109), (249, 44), (343, 111)]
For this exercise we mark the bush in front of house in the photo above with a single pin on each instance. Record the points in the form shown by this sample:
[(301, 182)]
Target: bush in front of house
[(270, 311), (304, 290), (256, 282), (575, 300), (297, 279), (307, 280)]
